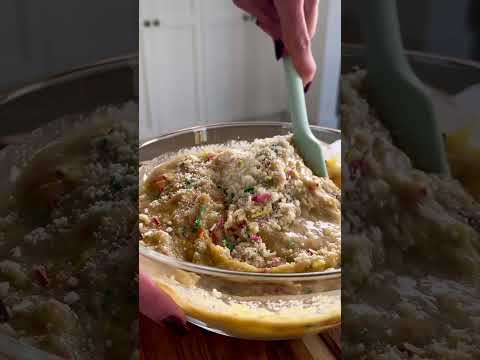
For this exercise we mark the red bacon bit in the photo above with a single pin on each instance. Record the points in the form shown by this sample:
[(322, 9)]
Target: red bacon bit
[(291, 173), (262, 198), (256, 238), (42, 276), (155, 221), (357, 168), (211, 157)]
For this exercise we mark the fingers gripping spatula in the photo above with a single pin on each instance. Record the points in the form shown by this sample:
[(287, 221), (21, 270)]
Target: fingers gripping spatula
[(401, 99)]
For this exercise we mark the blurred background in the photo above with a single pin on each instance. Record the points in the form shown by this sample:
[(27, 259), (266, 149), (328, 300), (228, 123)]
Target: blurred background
[(206, 61), (40, 38), (443, 27)]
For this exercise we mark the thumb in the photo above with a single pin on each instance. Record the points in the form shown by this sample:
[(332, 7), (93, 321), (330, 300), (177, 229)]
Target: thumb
[(157, 305)]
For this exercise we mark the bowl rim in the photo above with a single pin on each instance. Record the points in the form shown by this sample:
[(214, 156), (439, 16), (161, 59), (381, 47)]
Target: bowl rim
[(218, 272), (253, 123), (355, 49)]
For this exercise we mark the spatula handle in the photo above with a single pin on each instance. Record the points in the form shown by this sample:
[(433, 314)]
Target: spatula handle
[(312, 151)]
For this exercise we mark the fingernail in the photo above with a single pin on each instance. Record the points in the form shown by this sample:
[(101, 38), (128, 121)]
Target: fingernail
[(279, 47), (305, 89), (174, 324)]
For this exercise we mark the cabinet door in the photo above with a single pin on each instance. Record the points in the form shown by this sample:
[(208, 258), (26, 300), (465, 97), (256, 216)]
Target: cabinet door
[(168, 38), (242, 78)]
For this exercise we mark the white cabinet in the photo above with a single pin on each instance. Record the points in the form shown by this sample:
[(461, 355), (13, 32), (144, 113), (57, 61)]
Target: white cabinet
[(168, 61), (204, 61), (242, 78)]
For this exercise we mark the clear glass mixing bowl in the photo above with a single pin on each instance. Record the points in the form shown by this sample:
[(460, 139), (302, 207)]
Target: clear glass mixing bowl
[(245, 305)]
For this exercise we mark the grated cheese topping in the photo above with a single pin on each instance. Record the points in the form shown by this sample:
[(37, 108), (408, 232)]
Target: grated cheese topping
[(248, 206)]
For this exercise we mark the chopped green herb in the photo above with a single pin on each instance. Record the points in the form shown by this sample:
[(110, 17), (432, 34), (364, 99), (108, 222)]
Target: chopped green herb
[(269, 181), (308, 290), (228, 244), (115, 184), (202, 209), (198, 224), (291, 244), (249, 189)]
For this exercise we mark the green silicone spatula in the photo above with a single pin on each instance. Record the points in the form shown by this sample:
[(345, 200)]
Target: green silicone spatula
[(308, 145), (401, 99)]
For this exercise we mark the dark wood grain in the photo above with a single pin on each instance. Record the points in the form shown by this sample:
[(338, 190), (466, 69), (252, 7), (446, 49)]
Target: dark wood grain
[(331, 338), (160, 343)]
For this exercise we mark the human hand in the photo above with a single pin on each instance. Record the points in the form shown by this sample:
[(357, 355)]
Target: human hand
[(291, 23), (158, 306)]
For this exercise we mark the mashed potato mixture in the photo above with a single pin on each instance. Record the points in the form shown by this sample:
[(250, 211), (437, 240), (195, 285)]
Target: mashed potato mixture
[(67, 274), (247, 206), (411, 246)]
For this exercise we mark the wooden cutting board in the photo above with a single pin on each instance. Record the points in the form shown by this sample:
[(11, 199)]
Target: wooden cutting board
[(159, 343)]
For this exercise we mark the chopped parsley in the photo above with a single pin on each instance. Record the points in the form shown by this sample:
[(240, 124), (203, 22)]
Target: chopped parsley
[(308, 290), (228, 244), (202, 209), (198, 224), (249, 189)]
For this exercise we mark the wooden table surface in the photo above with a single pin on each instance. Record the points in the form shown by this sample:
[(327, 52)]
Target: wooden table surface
[(160, 343)]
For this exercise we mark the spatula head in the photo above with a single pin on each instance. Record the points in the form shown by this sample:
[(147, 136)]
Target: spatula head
[(400, 98), (407, 111)]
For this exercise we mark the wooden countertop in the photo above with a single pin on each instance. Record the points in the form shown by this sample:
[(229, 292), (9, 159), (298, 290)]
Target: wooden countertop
[(160, 343)]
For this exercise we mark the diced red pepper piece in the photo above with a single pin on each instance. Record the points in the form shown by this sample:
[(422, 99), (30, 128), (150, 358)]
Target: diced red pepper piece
[(42, 276)]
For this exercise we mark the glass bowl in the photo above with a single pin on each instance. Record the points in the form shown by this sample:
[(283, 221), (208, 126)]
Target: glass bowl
[(244, 305)]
